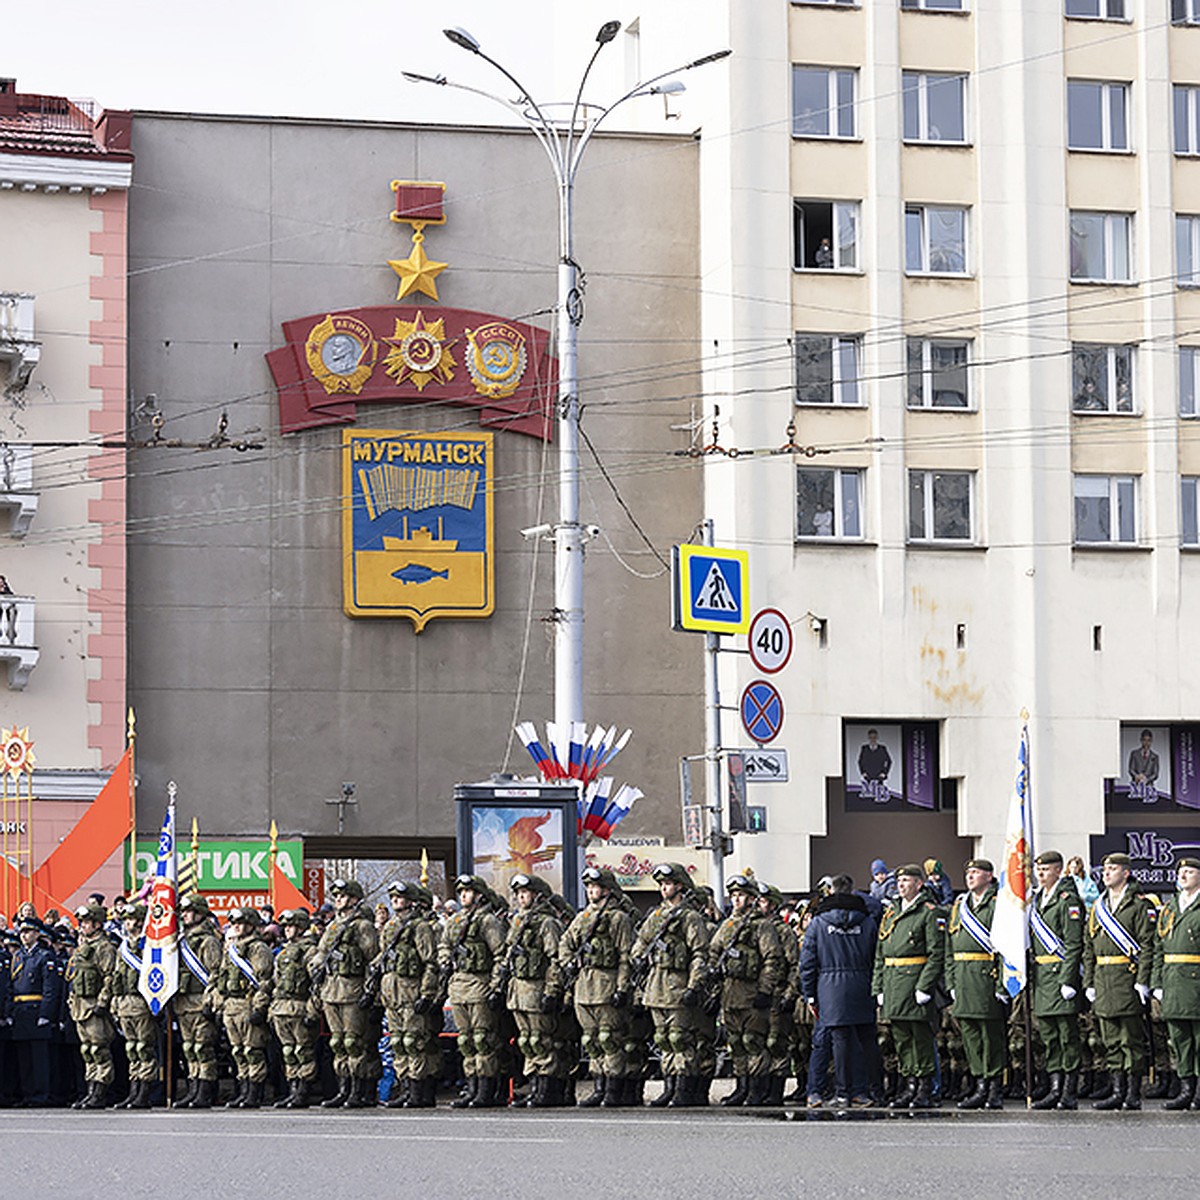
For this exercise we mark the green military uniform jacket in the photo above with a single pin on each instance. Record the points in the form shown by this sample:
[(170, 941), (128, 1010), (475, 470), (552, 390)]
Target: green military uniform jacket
[(472, 942), (229, 982), (205, 943), (746, 954), (291, 984), (595, 949), (1177, 960), (127, 1000), (674, 940), (1113, 981), (789, 944), (343, 954), (89, 975), (908, 958), (973, 974), (530, 965), (1063, 913), (408, 959)]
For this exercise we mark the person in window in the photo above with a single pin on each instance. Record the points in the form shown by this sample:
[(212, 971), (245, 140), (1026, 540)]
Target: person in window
[(822, 523), (1088, 398), (5, 590), (824, 255)]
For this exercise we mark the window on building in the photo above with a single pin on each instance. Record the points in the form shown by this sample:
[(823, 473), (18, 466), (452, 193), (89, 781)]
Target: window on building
[(936, 5), (1189, 381), (828, 503), (1100, 247), (1185, 12), (826, 235), (1106, 509), (1189, 519), (935, 240), (826, 369), (939, 506), (935, 107), (1104, 10), (831, 3), (1187, 251), (937, 373), (1101, 379), (823, 102), (1187, 118), (1097, 115)]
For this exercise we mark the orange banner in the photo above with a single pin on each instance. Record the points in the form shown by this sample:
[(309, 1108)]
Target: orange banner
[(16, 887), (285, 894)]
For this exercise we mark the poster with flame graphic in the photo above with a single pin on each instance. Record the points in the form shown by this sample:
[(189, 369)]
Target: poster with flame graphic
[(513, 841)]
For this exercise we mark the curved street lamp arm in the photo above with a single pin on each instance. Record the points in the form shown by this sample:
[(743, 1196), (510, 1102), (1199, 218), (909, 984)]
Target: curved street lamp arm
[(567, 157)]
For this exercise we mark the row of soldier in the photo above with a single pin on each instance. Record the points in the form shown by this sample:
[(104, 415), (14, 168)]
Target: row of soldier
[(680, 981)]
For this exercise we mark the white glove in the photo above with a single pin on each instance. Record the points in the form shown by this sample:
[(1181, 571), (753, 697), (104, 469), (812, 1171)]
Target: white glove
[(1143, 991), (1067, 992), (1090, 993), (879, 999), (952, 995), (1158, 994), (43, 1021), (921, 997)]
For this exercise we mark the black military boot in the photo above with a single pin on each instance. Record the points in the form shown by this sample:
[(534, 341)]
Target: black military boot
[(924, 1096), (487, 1093), (96, 1096), (1117, 1096), (596, 1098), (995, 1093), (760, 1090), (1054, 1094), (904, 1097), (539, 1093), (1068, 1098), (254, 1094), (189, 1093), (206, 1094), (363, 1093), (615, 1089), (422, 1093), (1102, 1085), (1083, 1085), (1195, 1104), (1160, 1089), (341, 1095), (739, 1095), (297, 1096), (1187, 1093), (401, 1090), (1133, 1093), (468, 1094), (977, 1097), (239, 1094), (670, 1084), (685, 1092), (135, 1091), (775, 1090)]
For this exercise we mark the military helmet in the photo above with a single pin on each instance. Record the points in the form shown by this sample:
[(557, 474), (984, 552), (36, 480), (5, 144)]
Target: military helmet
[(347, 887), (416, 892), (249, 916), (134, 912), (296, 916), (739, 883), (533, 883), (770, 893), (91, 912), (601, 876), (194, 902), (471, 883), (672, 872)]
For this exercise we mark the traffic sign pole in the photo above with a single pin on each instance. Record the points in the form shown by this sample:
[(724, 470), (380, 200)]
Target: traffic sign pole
[(712, 750)]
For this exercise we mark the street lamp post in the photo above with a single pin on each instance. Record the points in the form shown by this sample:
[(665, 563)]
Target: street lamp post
[(564, 146)]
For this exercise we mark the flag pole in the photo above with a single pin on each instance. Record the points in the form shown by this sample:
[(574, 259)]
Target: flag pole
[(271, 869), (1028, 868), (131, 737)]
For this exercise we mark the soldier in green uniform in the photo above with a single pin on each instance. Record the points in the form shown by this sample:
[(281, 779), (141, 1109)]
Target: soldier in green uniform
[(89, 972), (406, 976), (1118, 959), (240, 990), (472, 944), (781, 1022), (133, 1014), (746, 961), (1176, 980), (532, 977), (293, 1010), (1056, 957), (673, 946), (200, 953), (339, 971), (973, 977), (908, 965), (594, 954)]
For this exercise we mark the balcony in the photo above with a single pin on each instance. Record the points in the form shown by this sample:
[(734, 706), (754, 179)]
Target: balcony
[(16, 639), (16, 487), (17, 345)]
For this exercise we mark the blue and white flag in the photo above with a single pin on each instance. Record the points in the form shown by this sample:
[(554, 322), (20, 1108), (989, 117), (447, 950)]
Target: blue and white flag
[(159, 979), (1010, 923)]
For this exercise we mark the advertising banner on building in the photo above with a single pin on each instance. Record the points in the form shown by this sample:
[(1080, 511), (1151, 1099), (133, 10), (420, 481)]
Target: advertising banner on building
[(890, 766), (233, 866), (1153, 849), (1160, 770), (632, 864)]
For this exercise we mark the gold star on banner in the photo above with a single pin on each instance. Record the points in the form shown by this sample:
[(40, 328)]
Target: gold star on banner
[(418, 271)]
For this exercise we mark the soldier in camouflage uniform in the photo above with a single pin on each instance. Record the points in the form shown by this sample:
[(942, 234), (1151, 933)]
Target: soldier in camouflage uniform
[(908, 965), (133, 1014), (240, 990), (89, 973), (1176, 980), (1056, 954), (672, 945), (293, 1011), (406, 975), (532, 977), (781, 1023), (339, 970), (747, 962), (200, 953), (1118, 958), (594, 954), (472, 944)]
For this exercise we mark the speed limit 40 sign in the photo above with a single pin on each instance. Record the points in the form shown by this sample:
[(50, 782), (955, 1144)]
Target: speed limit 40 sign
[(770, 640)]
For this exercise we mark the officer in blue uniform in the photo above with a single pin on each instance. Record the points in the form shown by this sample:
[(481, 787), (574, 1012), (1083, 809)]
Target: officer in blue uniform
[(36, 986), (8, 1067)]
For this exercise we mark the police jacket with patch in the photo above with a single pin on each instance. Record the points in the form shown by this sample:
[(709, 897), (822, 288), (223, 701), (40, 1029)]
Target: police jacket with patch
[(909, 956), (1063, 913), (746, 953), (1177, 960), (1106, 964), (36, 981), (595, 947), (973, 972), (837, 960)]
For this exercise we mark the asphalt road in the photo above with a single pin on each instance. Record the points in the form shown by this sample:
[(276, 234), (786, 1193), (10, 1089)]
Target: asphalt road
[(56, 1155)]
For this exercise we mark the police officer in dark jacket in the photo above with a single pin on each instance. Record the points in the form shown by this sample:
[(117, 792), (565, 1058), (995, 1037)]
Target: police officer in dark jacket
[(36, 984), (8, 1069), (836, 963)]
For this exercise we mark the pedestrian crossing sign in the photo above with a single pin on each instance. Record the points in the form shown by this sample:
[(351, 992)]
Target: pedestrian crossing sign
[(711, 590)]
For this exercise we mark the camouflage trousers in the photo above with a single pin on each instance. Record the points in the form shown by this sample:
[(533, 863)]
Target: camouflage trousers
[(604, 1031), (297, 1046), (678, 1034), (354, 1054), (781, 1031), (95, 1041), (414, 1037), (536, 1042), (141, 1037), (198, 1035), (746, 1032), (247, 1043), (478, 1038)]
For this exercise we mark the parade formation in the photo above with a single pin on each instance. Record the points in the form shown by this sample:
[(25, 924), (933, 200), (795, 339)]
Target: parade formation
[(893, 1003)]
